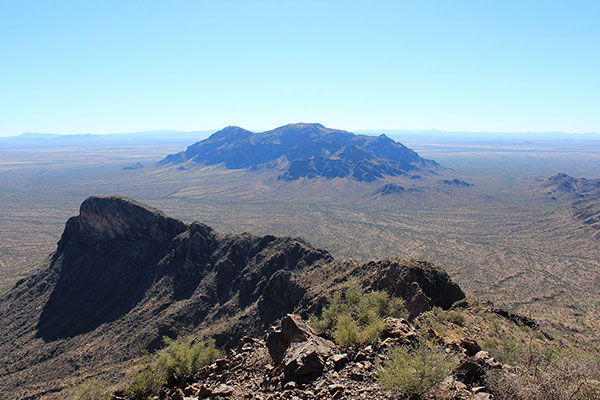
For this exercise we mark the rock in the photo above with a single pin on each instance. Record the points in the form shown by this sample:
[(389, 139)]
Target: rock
[(190, 390), (470, 347), (305, 361), (484, 358), (398, 328), (300, 354), (339, 360), (281, 295), (290, 385), (178, 395), (474, 367), (223, 390), (293, 329), (419, 283), (203, 392), (470, 368), (335, 387), (357, 372)]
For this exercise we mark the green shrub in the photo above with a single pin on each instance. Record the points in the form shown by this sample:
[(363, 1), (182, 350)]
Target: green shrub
[(90, 390), (456, 317), (352, 318), (416, 370), (179, 359), (346, 331), (184, 357), (144, 382)]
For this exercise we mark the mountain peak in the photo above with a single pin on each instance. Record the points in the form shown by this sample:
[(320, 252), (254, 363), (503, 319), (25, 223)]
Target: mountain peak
[(308, 150), (115, 217)]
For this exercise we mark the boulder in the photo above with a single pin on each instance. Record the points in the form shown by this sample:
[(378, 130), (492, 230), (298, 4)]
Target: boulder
[(398, 328), (299, 353)]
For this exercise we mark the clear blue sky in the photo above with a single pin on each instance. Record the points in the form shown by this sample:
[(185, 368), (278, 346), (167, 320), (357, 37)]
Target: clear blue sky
[(116, 66)]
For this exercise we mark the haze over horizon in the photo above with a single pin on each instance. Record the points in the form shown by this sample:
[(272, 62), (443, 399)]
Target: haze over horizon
[(72, 67)]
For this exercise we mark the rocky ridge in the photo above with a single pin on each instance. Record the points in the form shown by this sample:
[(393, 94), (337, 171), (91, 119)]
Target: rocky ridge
[(124, 275)]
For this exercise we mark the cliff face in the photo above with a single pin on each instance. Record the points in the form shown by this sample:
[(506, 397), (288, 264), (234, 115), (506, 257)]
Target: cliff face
[(124, 275)]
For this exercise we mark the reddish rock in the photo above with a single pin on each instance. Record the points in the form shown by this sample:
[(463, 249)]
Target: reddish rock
[(300, 354), (470, 347)]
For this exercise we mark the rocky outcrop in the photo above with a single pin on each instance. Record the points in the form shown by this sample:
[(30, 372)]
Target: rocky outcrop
[(421, 284), (305, 151)]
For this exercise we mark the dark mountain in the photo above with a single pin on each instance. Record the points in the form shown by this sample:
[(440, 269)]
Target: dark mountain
[(456, 183), (124, 275), (390, 189), (581, 187), (584, 195), (305, 151)]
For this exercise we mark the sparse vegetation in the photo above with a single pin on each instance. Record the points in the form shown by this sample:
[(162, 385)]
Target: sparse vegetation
[(557, 376), (505, 349), (92, 389), (180, 358), (143, 382), (352, 318), (185, 357), (416, 370)]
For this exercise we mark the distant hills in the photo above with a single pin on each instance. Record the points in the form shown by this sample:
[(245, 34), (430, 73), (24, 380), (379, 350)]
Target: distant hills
[(304, 151), (584, 194)]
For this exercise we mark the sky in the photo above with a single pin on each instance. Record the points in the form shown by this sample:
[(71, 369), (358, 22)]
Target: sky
[(121, 66)]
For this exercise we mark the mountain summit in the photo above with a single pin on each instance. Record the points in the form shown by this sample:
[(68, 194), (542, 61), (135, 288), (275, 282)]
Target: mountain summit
[(305, 151)]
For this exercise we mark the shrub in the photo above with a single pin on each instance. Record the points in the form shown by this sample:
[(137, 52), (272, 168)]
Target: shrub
[(90, 390), (179, 359), (184, 357), (352, 318), (346, 331), (144, 382), (456, 317), (506, 349), (549, 377), (416, 370)]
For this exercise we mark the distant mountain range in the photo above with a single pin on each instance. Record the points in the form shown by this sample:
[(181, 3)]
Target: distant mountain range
[(44, 140), (304, 151)]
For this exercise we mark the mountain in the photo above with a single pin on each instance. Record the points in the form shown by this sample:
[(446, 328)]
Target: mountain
[(304, 151), (124, 275), (583, 193), (456, 183)]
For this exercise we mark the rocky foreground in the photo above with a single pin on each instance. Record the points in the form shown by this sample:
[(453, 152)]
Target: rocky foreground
[(292, 362)]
